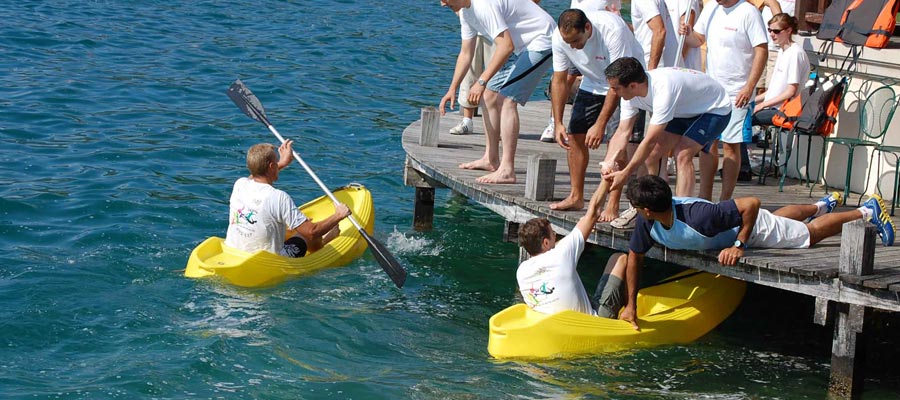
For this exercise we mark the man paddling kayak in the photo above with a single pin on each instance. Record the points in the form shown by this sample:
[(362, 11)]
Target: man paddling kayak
[(261, 217)]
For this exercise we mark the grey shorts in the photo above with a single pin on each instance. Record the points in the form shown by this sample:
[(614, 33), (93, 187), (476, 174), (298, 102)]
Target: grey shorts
[(609, 297), (521, 74)]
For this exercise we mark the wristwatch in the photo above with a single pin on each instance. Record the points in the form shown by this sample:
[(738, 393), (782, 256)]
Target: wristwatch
[(482, 82), (739, 244)]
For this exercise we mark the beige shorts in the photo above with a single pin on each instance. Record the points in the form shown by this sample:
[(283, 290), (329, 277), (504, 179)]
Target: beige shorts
[(775, 232), (484, 50)]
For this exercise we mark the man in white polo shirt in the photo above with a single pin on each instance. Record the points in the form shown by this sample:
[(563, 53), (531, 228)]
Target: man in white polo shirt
[(588, 41), (520, 30), (690, 109), (737, 50)]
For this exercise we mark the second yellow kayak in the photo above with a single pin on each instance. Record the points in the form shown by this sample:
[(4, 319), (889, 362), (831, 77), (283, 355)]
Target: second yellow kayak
[(682, 309)]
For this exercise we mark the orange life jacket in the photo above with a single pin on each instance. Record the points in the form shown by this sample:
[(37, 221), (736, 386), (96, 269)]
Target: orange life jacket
[(814, 111), (867, 23)]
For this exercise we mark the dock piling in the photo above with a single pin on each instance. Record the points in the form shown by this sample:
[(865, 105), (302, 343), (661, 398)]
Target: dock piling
[(430, 123), (857, 257), (540, 178)]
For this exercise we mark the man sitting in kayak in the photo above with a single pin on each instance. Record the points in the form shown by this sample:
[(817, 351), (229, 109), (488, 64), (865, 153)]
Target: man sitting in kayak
[(261, 216), (686, 223), (548, 280)]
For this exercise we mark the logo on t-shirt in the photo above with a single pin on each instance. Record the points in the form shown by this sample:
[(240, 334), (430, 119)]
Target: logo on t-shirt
[(240, 216)]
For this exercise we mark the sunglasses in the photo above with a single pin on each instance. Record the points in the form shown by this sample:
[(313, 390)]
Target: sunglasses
[(775, 31)]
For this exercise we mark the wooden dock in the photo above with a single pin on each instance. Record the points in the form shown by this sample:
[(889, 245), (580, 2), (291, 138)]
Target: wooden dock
[(841, 295)]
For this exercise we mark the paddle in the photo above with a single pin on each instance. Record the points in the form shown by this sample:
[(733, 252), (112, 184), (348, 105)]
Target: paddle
[(679, 60), (250, 105)]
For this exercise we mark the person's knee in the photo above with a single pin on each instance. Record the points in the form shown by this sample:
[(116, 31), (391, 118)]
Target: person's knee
[(616, 264)]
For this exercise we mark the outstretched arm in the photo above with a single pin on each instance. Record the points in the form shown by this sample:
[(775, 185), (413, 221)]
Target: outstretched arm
[(748, 207), (586, 223), (463, 60), (632, 274)]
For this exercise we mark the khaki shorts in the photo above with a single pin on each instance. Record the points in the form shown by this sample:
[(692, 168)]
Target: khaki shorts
[(484, 50)]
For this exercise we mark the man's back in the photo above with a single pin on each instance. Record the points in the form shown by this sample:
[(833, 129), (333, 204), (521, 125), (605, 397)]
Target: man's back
[(259, 216), (549, 282)]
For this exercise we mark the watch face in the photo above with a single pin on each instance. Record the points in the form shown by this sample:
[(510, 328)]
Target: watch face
[(738, 243)]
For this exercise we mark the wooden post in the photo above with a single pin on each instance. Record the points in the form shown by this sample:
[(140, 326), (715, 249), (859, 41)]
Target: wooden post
[(430, 123), (511, 232), (848, 345), (540, 178), (423, 217)]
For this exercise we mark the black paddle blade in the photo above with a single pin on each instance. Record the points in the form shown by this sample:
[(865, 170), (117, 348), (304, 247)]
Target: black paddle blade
[(387, 261), (241, 95)]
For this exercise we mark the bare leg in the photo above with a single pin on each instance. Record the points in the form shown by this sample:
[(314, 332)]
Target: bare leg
[(468, 112), (709, 163), (491, 159), (731, 165), (615, 266), (578, 158), (684, 159), (611, 211), (829, 225), (509, 132), (797, 212)]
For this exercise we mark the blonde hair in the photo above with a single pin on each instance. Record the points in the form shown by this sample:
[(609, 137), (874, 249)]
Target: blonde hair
[(258, 158)]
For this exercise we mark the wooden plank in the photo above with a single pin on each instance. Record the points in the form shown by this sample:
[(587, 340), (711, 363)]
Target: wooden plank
[(808, 271)]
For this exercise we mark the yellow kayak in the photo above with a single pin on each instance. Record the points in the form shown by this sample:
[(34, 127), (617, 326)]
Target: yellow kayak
[(263, 268), (679, 310)]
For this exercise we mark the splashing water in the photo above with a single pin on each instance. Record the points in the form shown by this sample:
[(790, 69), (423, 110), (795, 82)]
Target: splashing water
[(411, 245)]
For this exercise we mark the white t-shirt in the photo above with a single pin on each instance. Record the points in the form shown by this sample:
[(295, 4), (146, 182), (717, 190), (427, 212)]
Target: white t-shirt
[(259, 216), (610, 40), (676, 9), (529, 26), (791, 67), (549, 282), (643, 11), (596, 5), (731, 34), (678, 93)]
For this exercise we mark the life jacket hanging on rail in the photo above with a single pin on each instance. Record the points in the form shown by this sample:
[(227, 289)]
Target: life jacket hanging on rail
[(867, 23)]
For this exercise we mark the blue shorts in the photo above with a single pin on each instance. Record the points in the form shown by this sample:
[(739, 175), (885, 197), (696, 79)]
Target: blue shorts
[(521, 74), (703, 129)]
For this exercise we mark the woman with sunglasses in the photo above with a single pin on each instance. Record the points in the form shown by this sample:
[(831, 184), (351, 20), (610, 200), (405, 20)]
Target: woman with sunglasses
[(791, 69)]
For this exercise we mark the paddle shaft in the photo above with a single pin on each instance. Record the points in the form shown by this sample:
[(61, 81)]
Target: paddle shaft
[(250, 105), (679, 60), (312, 174)]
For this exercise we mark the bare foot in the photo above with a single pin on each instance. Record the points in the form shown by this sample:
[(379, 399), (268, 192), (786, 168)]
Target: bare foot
[(609, 214), (568, 204), (481, 164), (498, 177)]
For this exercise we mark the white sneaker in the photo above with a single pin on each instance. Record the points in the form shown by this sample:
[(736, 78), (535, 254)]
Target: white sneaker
[(670, 166), (549, 135), (462, 128), (625, 220)]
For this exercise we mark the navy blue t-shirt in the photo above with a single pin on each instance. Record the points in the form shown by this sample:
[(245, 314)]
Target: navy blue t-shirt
[(706, 218)]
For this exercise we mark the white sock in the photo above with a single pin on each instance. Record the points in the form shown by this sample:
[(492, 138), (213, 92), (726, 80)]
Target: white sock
[(822, 209), (866, 212)]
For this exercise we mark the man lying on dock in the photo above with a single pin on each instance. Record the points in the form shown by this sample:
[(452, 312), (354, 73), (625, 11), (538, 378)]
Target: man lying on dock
[(685, 223), (549, 282)]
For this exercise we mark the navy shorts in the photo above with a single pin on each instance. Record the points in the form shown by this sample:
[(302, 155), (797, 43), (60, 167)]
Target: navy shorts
[(294, 247), (703, 129), (585, 111)]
